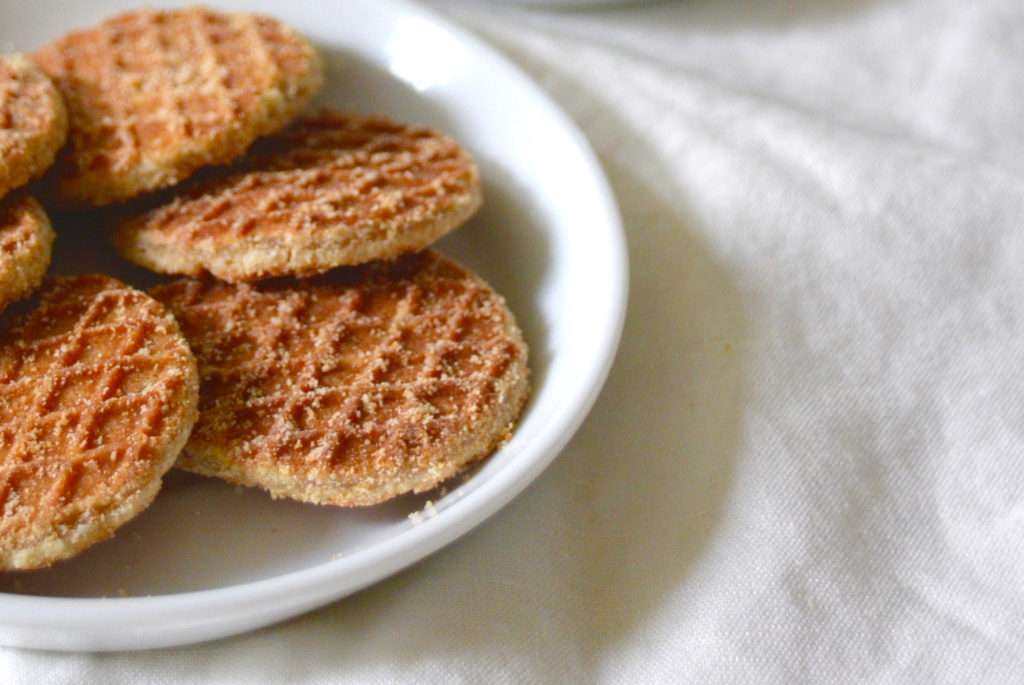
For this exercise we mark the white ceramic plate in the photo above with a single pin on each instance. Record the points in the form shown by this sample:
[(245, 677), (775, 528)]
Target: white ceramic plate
[(209, 560)]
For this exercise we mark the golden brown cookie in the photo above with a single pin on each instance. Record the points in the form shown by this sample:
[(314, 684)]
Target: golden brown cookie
[(98, 393), (33, 122), (156, 94), (350, 393), (332, 189), (26, 239)]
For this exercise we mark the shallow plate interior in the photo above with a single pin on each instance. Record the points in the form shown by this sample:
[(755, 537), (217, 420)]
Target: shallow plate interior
[(209, 559)]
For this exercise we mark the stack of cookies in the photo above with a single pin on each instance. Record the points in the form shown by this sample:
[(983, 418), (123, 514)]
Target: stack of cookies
[(313, 344)]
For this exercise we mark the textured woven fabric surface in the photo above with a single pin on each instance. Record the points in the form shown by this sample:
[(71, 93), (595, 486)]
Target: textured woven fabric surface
[(806, 464)]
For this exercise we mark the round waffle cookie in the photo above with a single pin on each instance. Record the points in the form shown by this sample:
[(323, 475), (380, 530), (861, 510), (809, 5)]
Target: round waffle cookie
[(26, 239), (333, 189), (98, 392), (33, 122), (350, 393), (156, 94)]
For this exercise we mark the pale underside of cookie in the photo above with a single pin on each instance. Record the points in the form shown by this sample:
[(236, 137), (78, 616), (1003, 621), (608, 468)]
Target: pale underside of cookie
[(331, 190), (26, 240), (33, 122), (98, 392), (350, 394), (156, 94)]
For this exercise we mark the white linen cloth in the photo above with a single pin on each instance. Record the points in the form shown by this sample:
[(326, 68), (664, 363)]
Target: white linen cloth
[(808, 462)]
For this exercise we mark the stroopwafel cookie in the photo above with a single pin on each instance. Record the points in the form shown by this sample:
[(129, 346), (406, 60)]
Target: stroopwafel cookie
[(33, 122), (98, 393), (26, 240), (350, 393), (156, 94), (332, 189)]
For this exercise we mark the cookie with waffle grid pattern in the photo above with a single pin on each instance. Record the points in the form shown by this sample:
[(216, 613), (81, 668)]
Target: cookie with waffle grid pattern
[(26, 241), (350, 393), (98, 393), (154, 95), (33, 122), (333, 189)]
